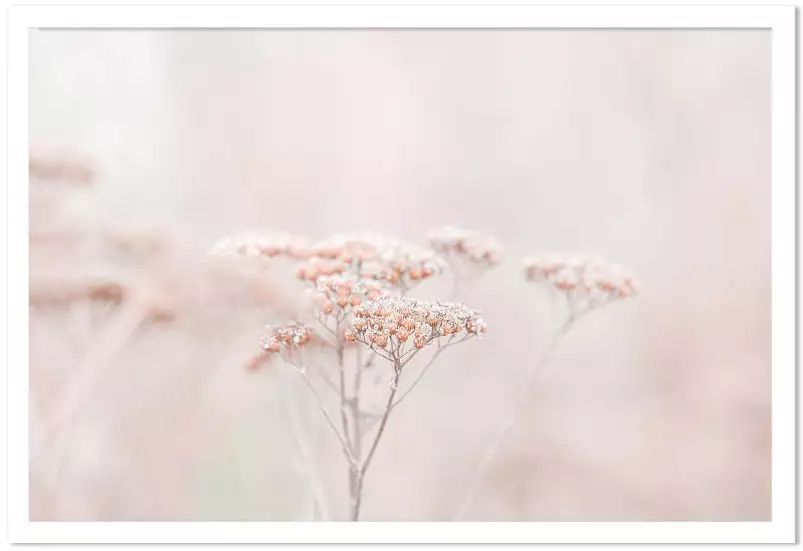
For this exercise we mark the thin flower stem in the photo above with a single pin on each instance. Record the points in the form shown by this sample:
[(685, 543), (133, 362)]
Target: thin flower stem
[(355, 405), (323, 324), (355, 478), (318, 494), (423, 371), (361, 473), (329, 383), (414, 351), (343, 418), (376, 351), (346, 450), (496, 443), (393, 387), (370, 363), (113, 339)]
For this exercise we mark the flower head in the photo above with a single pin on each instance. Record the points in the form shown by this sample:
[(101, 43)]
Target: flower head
[(372, 256), (391, 323), (472, 247), (587, 282), (341, 292), (318, 267), (350, 248), (284, 341), (261, 245)]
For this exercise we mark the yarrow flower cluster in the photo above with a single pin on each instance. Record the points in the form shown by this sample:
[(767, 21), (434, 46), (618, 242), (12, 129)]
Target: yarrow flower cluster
[(261, 245), (156, 305), (348, 248), (587, 282), (474, 247), (357, 283), (339, 292), (286, 337), (283, 340), (318, 267), (372, 256), (390, 322)]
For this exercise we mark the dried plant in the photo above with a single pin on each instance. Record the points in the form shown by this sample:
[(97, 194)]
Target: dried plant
[(357, 302), (586, 284), (260, 245), (46, 167), (356, 298), (469, 253), (357, 318), (102, 292)]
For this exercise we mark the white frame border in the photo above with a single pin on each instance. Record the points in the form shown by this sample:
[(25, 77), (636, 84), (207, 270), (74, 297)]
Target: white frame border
[(779, 19)]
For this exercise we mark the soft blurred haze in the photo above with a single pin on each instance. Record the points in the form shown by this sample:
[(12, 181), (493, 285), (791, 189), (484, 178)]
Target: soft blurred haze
[(650, 148)]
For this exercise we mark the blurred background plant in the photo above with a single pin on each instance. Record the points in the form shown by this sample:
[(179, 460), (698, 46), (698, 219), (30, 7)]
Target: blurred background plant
[(650, 148)]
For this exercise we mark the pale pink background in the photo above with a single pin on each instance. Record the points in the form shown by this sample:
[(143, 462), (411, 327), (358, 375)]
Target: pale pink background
[(651, 148)]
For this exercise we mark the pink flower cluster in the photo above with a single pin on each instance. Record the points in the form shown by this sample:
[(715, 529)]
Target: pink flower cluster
[(471, 246), (339, 292), (351, 248), (317, 267), (389, 323), (372, 256), (283, 340), (582, 279), (261, 245)]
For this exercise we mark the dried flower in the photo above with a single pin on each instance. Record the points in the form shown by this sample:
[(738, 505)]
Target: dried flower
[(587, 282), (470, 246), (350, 248), (138, 243), (389, 323), (261, 245), (343, 292), (284, 341), (155, 306), (372, 256), (317, 267), (106, 291), (64, 169)]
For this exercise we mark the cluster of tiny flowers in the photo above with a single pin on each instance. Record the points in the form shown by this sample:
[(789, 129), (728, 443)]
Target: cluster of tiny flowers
[(282, 340), (318, 267), (156, 307), (372, 256), (338, 292), (475, 247), (286, 337), (256, 245), (390, 321), (581, 278), (404, 265), (351, 248)]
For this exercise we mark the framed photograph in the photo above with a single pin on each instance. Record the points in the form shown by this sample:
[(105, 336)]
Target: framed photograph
[(401, 274)]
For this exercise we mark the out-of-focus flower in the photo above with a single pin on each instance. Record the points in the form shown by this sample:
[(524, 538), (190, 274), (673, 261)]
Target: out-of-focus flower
[(107, 291), (470, 246), (284, 341), (261, 245), (389, 323), (587, 282), (52, 168), (318, 267), (155, 304), (139, 243), (351, 248)]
